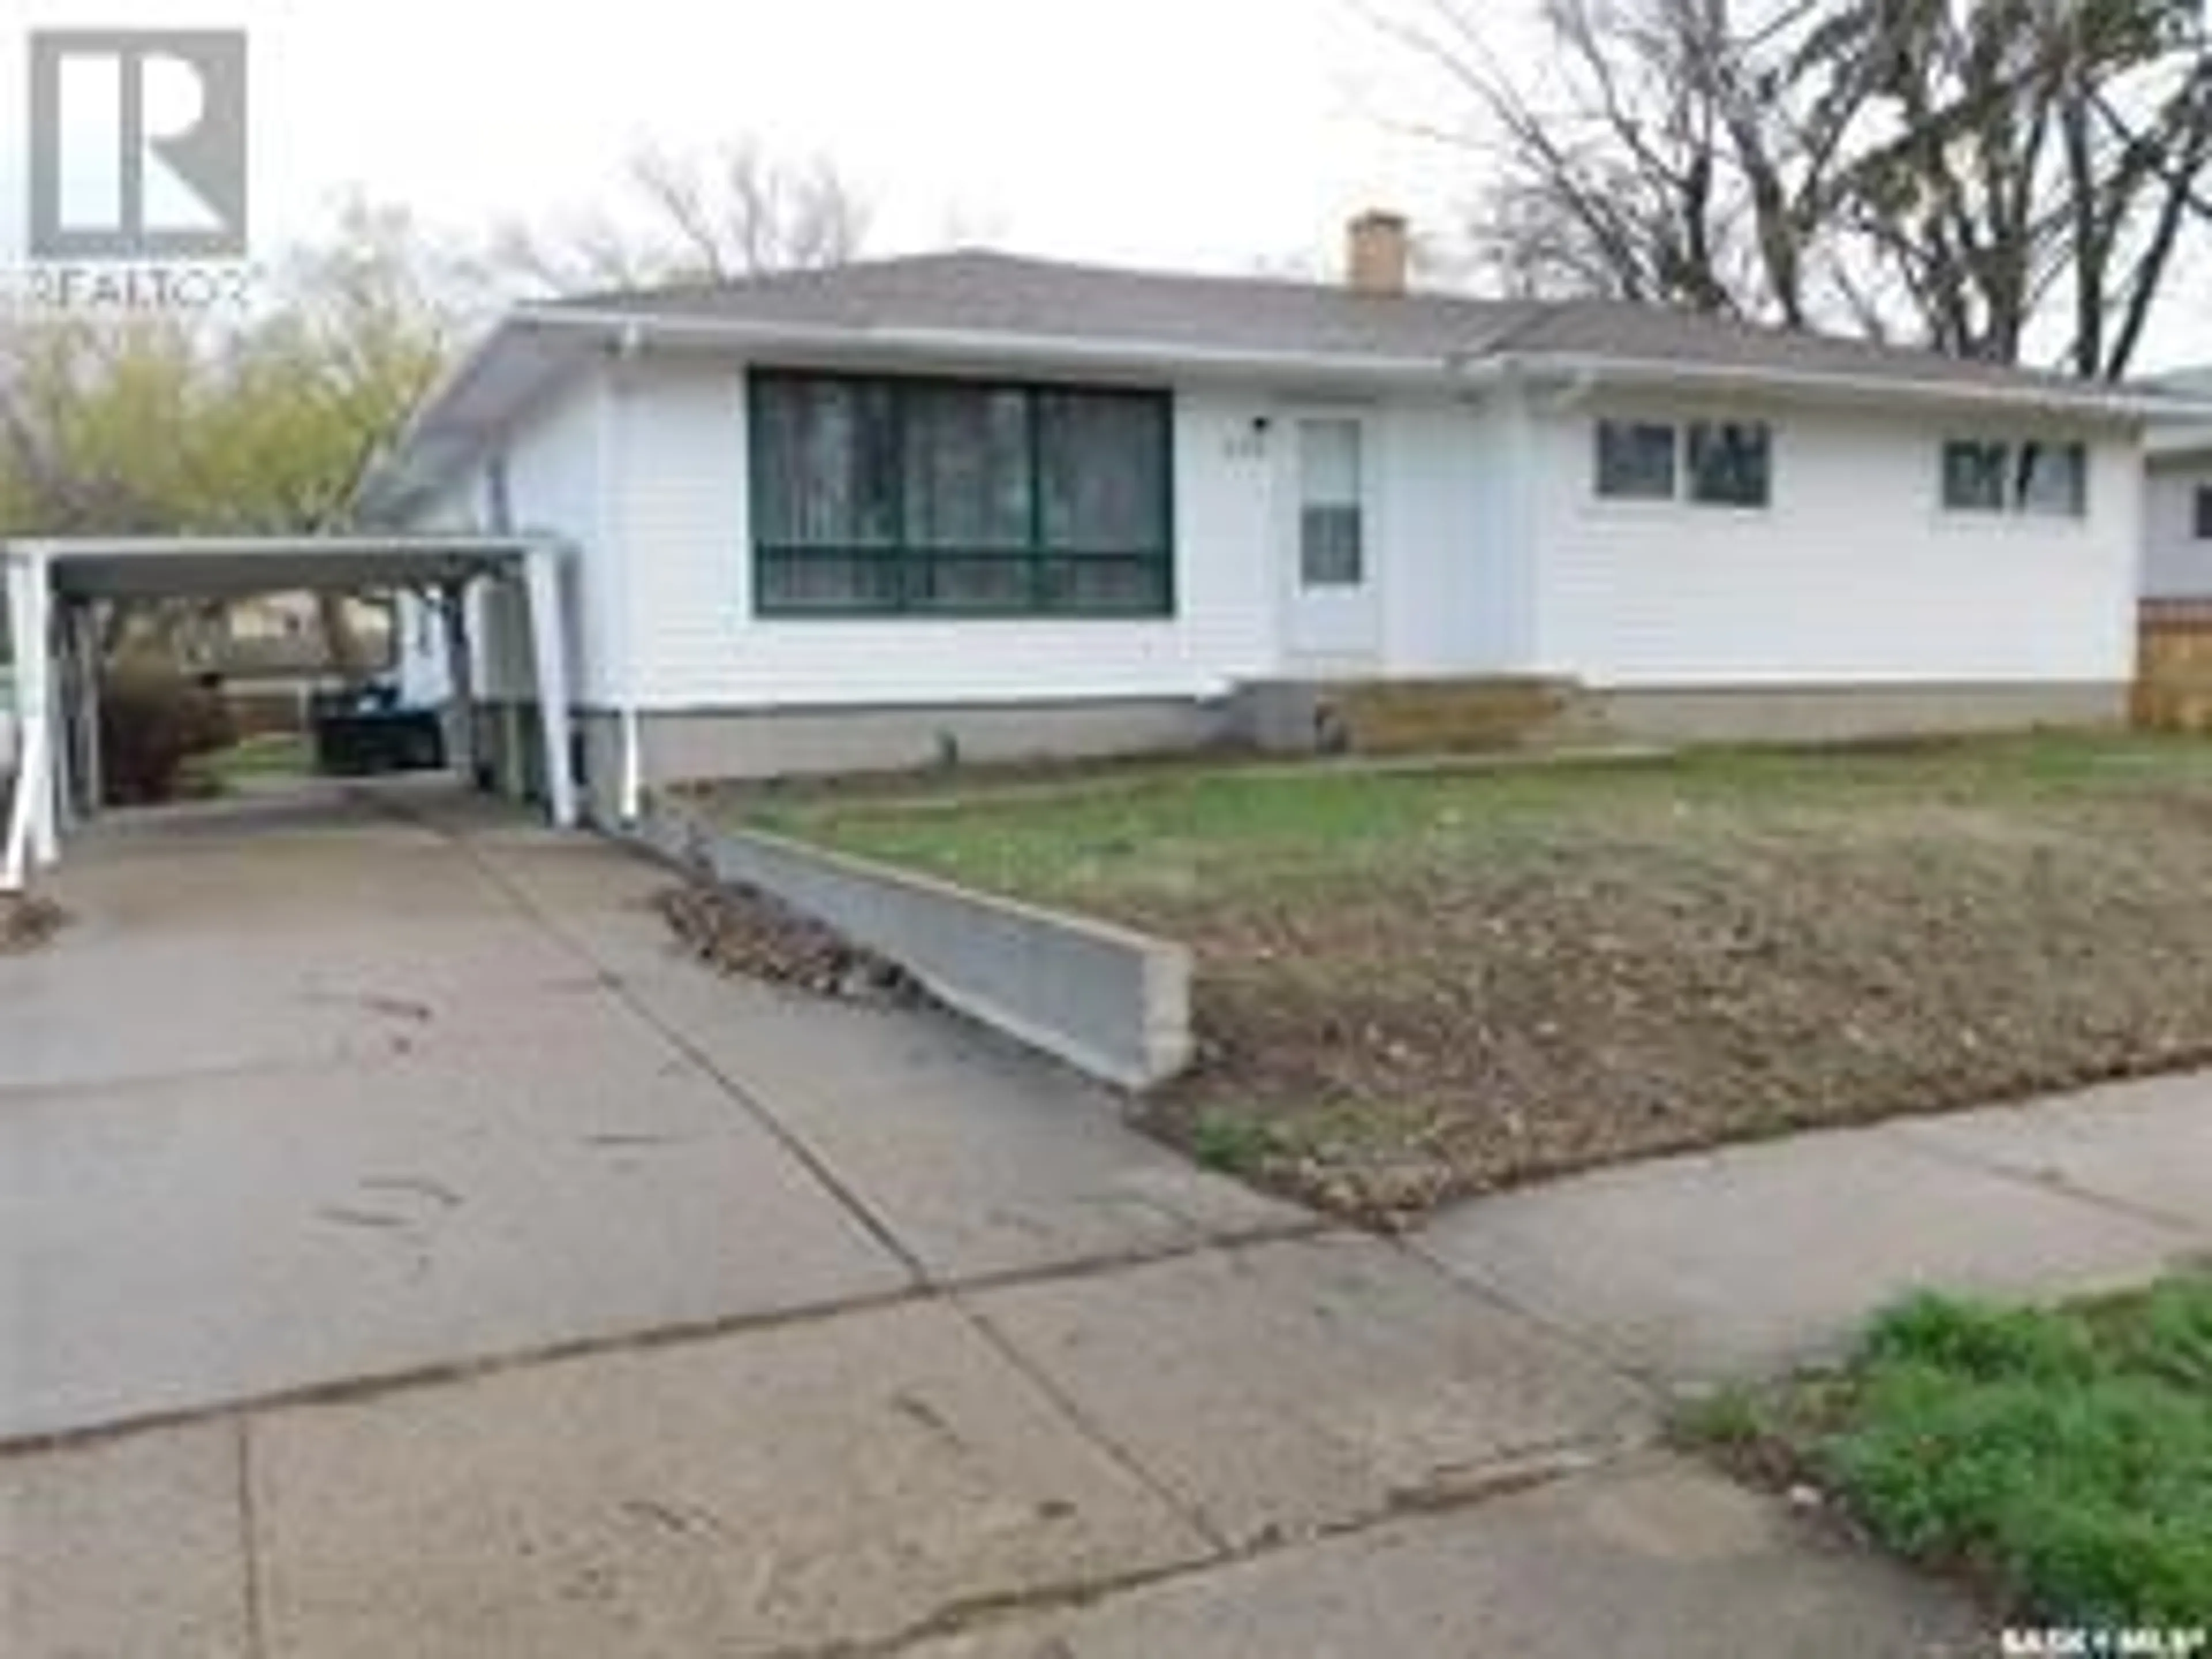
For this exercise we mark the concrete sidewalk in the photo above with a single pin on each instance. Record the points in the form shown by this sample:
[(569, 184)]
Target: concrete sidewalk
[(1746, 1262), (440, 1265)]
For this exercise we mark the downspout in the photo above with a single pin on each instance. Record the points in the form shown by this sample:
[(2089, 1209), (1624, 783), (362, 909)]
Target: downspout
[(614, 428)]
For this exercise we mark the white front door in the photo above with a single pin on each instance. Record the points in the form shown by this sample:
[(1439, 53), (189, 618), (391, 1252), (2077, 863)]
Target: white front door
[(1333, 624)]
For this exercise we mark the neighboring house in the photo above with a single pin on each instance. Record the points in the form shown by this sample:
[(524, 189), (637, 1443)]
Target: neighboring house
[(2177, 549), (971, 504)]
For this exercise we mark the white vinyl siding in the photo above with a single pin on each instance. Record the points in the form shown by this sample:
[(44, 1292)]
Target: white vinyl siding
[(2177, 560), (1488, 547), (1854, 572)]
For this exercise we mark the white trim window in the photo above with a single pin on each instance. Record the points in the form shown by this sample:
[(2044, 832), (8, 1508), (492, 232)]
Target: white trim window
[(1731, 463), (1636, 460), (2054, 479), (1975, 475), (1332, 519), (2033, 478), (1704, 463)]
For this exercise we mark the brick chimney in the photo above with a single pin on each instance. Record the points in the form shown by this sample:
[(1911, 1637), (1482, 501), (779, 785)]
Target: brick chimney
[(1377, 250)]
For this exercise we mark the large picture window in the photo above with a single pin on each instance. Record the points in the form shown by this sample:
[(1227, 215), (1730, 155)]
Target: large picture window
[(894, 495)]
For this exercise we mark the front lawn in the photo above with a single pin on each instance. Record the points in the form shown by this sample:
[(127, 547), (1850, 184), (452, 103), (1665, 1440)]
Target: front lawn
[(1414, 985), (2062, 1459)]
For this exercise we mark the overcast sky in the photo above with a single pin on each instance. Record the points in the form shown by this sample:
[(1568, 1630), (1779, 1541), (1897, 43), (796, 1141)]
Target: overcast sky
[(1204, 133)]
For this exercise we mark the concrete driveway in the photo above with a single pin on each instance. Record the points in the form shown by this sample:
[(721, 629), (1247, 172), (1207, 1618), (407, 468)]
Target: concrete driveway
[(387, 1080), (403, 1251)]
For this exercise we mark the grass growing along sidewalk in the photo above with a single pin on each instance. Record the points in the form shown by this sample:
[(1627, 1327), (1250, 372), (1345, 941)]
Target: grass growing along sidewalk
[(2060, 1459)]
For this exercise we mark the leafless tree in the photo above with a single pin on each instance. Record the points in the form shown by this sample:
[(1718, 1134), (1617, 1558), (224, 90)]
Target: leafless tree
[(738, 211), (1961, 171)]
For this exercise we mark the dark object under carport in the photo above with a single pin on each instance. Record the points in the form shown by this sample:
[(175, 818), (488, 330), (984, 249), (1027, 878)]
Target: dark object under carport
[(365, 732)]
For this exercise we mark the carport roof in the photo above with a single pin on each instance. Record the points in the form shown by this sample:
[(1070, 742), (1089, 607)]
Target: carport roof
[(229, 566)]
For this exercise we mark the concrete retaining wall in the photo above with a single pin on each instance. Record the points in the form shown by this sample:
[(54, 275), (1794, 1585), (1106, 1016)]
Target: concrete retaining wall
[(1107, 1001)]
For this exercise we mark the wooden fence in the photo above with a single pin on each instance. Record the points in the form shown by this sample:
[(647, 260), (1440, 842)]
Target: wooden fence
[(2173, 665)]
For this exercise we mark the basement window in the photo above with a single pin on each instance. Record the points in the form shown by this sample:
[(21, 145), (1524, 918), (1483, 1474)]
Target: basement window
[(902, 496)]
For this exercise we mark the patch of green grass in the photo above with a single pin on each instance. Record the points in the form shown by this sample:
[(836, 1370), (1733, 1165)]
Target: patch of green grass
[(2064, 1455), (1729, 1419), (1231, 1145), (1153, 831), (277, 755)]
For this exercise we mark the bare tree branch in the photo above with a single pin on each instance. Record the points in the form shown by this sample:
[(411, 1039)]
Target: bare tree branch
[(736, 211), (1992, 177)]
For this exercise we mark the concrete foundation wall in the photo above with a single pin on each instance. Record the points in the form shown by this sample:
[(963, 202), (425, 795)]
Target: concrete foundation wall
[(1108, 1001), (679, 747), (715, 745), (708, 745), (1836, 713)]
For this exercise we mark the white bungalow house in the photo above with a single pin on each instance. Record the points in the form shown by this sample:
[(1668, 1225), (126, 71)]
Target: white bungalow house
[(967, 503)]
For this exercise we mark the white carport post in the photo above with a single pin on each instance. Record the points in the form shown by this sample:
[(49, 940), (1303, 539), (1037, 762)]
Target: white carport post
[(549, 651), (452, 605), (61, 713), (92, 783), (31, 836)]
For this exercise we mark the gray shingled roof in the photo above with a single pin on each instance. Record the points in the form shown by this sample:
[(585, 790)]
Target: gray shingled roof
[(975, 291)]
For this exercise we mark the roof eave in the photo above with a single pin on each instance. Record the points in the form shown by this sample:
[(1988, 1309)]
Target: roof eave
[(536, 342), (2116, 403), (1025, 347)]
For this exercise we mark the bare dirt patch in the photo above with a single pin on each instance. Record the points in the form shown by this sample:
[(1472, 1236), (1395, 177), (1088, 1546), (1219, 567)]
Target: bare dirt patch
[(1633, 988), (27, 922), (1410, 989)]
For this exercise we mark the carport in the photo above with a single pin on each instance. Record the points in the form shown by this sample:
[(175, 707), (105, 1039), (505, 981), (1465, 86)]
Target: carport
[(55, 588)]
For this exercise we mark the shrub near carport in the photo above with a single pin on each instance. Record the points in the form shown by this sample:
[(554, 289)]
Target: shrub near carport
[(152, 721)]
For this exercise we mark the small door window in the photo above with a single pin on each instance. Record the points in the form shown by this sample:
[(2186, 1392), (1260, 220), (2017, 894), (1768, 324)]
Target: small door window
[(1331, 527)]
